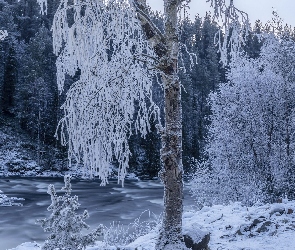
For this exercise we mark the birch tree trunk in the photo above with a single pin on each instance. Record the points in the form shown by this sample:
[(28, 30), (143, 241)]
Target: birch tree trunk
[(166, 47), (171, 152)]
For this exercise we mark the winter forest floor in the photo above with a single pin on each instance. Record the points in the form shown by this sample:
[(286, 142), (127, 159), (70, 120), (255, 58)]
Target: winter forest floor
[(232, 227)]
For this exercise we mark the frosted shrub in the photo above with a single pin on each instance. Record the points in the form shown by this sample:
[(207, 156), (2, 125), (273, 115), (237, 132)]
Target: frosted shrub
[(210, 186), (64, 224), (119, 235)]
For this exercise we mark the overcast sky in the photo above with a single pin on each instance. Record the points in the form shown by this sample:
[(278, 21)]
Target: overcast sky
[(256, 9)]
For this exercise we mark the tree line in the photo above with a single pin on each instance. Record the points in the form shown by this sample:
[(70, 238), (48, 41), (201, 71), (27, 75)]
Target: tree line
[(30, 98)]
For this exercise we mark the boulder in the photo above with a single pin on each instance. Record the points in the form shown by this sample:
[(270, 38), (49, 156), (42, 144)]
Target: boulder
[(264, 227), (194, 238), (277, 210), (201, 245)]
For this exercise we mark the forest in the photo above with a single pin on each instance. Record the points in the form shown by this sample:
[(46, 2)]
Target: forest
[(238, 119), (30, 102)]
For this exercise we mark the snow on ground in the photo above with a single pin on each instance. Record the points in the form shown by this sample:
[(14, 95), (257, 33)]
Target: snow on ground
[(28, 246), (232, 227)]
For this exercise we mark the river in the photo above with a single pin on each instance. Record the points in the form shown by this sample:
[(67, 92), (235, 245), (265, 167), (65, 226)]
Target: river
[(105, 205)]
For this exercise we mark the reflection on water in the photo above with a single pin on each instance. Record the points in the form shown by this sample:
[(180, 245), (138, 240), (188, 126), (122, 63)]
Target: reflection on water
[(104, 204)]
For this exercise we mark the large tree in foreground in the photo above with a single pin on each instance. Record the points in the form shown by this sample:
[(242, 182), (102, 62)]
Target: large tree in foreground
[(117, 51)]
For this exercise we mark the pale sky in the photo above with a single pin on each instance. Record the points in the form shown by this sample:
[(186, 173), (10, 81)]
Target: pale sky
[(256, 9)]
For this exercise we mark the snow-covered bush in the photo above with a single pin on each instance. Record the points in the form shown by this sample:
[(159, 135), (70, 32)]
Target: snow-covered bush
[(119, 235), (64, 224), (251, 149)]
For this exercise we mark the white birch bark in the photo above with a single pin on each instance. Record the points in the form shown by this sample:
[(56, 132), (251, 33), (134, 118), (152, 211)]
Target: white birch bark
[(171, 152)]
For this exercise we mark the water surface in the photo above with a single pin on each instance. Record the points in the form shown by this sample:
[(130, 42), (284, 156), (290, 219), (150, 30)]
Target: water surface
[(105, 205)]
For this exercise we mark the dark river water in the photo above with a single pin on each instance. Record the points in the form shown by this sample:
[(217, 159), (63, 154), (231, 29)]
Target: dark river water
[(105, 205)]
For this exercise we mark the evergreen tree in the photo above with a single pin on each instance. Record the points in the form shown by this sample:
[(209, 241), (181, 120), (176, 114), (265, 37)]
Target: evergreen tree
[(64, 224), (10, 81), (254, 40), (37, 92), (198, 82)]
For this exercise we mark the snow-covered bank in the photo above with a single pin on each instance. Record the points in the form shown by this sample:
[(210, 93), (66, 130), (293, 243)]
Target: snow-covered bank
[(19, 155), (232, 227), (9, 201)]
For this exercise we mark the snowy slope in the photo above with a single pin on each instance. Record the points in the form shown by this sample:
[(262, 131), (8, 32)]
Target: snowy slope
[(19, 154), (15, 155)]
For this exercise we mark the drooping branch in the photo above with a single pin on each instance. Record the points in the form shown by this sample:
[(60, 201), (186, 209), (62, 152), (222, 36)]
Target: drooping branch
[(99, 109), (235, 25)]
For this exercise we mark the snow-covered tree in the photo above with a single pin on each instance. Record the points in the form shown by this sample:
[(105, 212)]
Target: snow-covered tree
[(118, 50), (106, 44), (251, 137), (64, 224), (9, 83), (36, 91)]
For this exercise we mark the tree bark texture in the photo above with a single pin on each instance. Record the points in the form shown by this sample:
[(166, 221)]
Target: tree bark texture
[(171, 152)]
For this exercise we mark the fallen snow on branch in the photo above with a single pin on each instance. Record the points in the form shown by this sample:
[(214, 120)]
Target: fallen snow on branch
[(3, 34)]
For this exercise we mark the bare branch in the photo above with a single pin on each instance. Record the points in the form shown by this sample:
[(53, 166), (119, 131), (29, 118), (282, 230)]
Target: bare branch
[(153, 34)]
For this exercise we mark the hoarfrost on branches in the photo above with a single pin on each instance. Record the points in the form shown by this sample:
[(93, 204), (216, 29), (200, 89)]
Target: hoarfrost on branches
[(43, 6), (6, 201), (104, 42), (235, 25)]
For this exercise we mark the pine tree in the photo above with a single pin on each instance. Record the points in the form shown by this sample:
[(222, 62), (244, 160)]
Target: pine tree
[(10, 81), (36, 92)]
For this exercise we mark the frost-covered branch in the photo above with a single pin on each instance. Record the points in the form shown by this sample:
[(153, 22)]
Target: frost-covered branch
[(6, 201), (99, 110), (235, 25), (153, 35)]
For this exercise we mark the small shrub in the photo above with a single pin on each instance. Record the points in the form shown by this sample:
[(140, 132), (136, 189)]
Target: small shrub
[(119, 235), (64, 224)]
